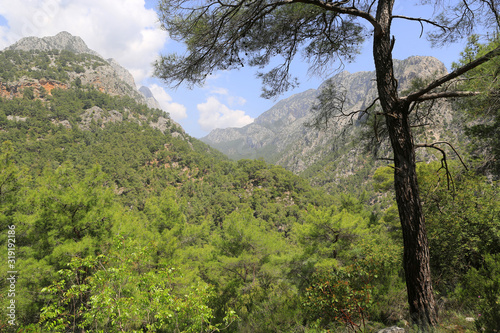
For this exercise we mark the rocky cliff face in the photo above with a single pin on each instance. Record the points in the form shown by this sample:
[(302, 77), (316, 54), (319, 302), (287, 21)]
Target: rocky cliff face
[(280, 136), (108, 76)]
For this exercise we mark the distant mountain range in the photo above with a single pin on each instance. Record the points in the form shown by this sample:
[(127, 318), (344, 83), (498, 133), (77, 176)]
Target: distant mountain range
[(280, 136), (280, 132)]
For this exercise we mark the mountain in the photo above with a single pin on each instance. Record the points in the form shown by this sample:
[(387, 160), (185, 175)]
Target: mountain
[(280, 136), (106, 75), (272, 133)]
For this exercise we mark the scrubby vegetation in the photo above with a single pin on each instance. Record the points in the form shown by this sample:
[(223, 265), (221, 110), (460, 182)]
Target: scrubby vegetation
[(53, 65)]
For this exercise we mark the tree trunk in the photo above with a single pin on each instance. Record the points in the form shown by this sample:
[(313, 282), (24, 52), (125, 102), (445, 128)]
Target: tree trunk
[(416, 249), (423, 310)]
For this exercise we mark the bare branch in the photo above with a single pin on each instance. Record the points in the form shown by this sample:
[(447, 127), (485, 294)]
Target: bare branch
[(494, 10), (451, 146), (421, 20), (444, 163), (337, 8)]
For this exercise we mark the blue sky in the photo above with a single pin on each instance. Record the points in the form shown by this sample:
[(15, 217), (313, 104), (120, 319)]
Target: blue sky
[(128, 31)]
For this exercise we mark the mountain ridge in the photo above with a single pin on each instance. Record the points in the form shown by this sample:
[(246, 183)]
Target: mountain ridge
[(64, 41)]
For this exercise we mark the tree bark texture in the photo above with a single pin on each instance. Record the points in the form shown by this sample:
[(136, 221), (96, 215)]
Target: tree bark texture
[(423, 310), (416, 258)]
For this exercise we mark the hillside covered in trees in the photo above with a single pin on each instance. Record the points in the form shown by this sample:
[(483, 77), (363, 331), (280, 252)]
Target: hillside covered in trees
[(116, 220)]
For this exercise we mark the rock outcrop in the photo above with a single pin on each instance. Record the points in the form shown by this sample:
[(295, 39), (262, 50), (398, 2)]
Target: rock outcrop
[(100, 117)]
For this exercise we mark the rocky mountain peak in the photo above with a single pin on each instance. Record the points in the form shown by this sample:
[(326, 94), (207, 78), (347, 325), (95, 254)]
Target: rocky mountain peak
[(150, 99), (62, 41), (112, 78)]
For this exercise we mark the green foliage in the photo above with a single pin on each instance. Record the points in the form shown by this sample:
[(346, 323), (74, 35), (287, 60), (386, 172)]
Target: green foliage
[(70, 215), (246, 267), (383, 179), (482, 111), (122, 292), (463, 224), (342, 296), (480, 291), (12, 180), (329, 234), (163, 212)]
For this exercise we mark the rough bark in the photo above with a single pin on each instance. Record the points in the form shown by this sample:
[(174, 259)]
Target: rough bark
[(416, 250), (423, 310)]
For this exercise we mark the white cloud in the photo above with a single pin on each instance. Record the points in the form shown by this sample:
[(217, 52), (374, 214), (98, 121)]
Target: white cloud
[(219, 91), (124, 30), (177, 111), (214, 114)]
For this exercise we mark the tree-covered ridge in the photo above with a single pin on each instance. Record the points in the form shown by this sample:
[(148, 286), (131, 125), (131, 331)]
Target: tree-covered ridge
[(51, 131), (49, 65)]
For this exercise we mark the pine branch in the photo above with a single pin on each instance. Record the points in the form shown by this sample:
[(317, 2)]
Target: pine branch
[(447, 94)]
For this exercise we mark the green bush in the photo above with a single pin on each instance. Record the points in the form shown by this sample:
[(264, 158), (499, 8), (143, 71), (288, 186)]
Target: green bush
[(340, 295), (480, 292)]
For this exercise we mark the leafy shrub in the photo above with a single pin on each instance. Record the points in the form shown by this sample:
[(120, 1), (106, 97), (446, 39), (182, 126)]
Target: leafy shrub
[(481, 292)]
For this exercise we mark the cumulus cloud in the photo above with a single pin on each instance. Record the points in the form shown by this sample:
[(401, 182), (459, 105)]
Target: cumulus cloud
[(124, 30), (177, 111), (214, 114)]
